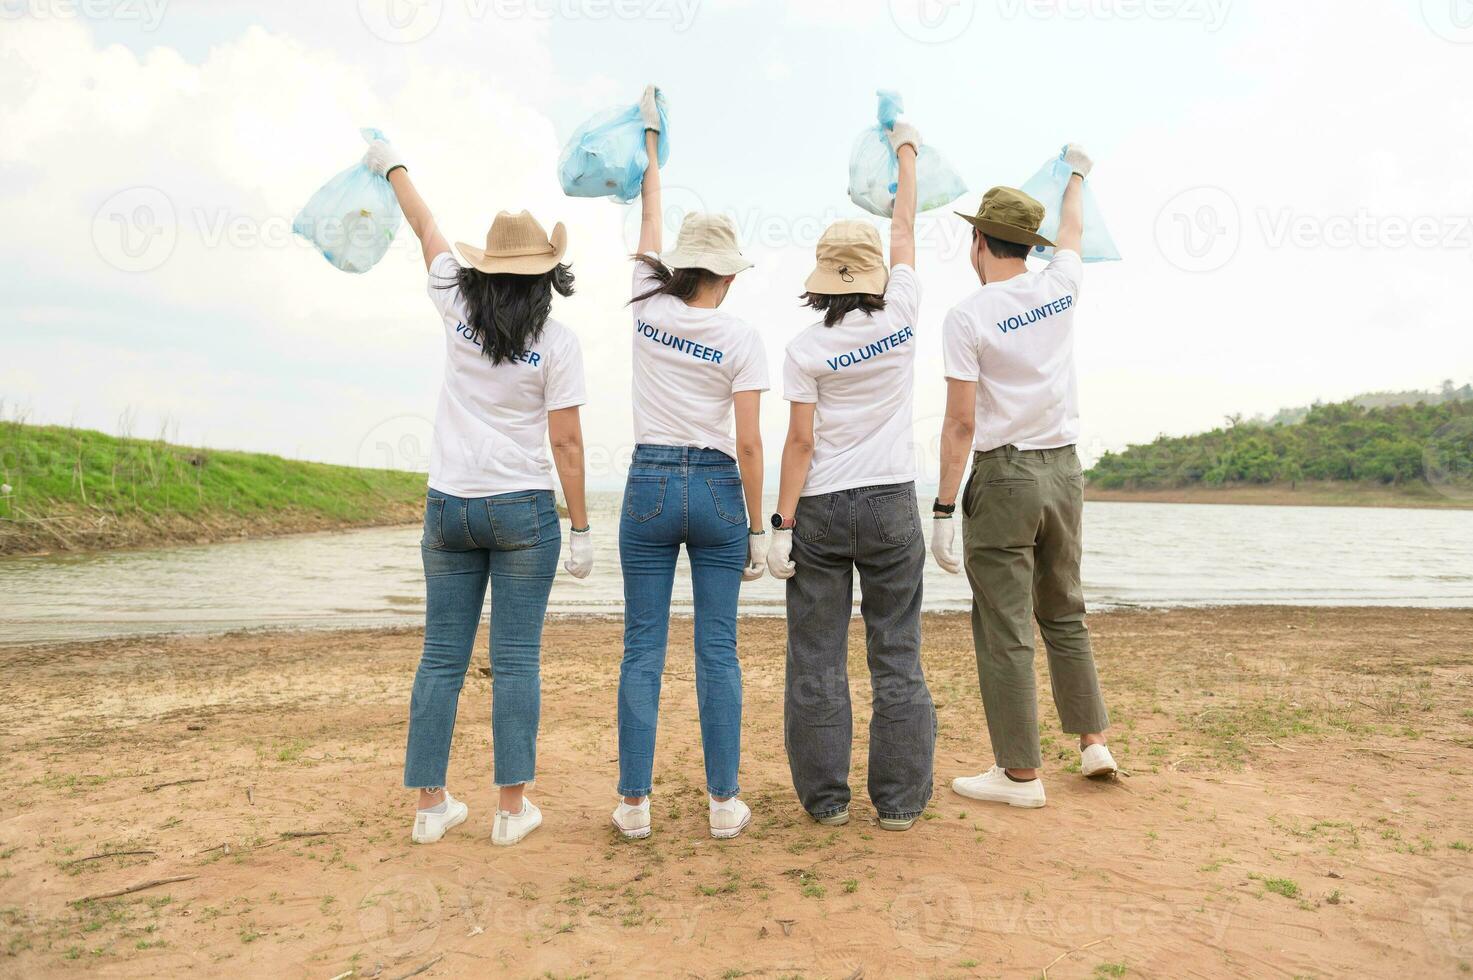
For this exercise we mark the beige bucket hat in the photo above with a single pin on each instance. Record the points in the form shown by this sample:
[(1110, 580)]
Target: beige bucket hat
[(517, 244), (707, 241), (850, 260)]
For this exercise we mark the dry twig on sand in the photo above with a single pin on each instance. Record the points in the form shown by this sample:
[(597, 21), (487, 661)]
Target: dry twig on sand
[(133, 888), (1076, 949), (420, 969), (177, 782), (106, 854)]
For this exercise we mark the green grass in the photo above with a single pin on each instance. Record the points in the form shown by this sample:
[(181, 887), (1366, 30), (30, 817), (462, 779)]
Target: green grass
[(74, 488)]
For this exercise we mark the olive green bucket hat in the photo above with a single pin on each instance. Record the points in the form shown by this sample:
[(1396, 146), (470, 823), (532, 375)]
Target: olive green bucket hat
[(1009, 214)]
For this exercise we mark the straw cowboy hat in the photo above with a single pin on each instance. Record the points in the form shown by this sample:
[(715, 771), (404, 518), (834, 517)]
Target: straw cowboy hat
[(850, 260), (707, 241), (517, 244), (1011, 215)]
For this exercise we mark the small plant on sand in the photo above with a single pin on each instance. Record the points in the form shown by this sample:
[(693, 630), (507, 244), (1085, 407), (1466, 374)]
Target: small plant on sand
[(1110, 970), (1282, 886)]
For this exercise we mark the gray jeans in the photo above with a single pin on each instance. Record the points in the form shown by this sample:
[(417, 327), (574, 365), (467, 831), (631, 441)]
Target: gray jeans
[(876, 530)]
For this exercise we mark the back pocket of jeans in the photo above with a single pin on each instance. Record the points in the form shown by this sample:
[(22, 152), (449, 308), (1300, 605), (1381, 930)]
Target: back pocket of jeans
[(895, 517), (514, 523), (814, 515), (434, 535), (644, 498), (727, 493)]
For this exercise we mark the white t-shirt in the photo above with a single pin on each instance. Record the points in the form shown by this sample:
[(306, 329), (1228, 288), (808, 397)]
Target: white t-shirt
[(1016, 340), (860, 373), (688, 362), (491, 425)]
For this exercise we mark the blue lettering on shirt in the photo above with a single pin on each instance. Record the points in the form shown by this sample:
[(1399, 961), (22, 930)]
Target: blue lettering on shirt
[(526, 357), (1040, 313), (882, 346), (699, 351)]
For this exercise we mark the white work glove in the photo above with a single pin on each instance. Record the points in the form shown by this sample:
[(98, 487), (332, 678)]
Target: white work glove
[(580, 553), (1078, 160), (382, 157), (649, 110), (756, 556), (902, 134), (943, 538), (780, 555)]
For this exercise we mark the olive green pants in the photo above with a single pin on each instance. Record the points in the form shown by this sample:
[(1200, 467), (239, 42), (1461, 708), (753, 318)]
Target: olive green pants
[(1022, 511)]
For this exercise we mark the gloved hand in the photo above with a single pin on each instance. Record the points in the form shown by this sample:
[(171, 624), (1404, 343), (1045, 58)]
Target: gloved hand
[(580, 553), (382, 157), (904, 133), (649, 111), (780, 555), (943, 538), (756, 556), (1078, 160)]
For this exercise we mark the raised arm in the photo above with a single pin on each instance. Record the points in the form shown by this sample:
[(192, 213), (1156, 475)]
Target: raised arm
[(907, 144), (1071, 216), (385, 161), (650, 227)]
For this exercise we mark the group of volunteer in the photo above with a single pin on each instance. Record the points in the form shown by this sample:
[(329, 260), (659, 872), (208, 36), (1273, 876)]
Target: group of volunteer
[(514, 386)]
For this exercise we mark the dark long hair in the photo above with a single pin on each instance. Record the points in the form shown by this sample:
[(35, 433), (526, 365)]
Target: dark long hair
[(683, 284), (506, 312), (837, 307)]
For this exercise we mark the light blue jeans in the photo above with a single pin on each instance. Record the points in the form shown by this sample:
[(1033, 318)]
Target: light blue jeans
[(679, 495), (511, 540)]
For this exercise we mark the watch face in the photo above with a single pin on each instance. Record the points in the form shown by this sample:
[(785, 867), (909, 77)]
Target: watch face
[(777, 522)]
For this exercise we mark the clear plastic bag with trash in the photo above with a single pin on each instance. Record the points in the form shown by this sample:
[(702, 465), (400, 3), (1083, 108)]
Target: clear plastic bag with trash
[(1047, 188), (606, 156), (873, 167), (353, 218)]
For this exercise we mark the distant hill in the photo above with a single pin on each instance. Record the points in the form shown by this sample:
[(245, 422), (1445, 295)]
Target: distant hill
[(1377, 399)]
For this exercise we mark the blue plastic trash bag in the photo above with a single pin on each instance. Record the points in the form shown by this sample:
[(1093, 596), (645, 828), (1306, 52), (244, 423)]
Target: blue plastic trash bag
[(873, 167), (353, 219), (1047, 187), (606, 157)]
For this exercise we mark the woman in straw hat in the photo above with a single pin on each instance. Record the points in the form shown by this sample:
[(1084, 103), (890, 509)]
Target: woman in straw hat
[(513, 378), (847, 500), (691, 481)]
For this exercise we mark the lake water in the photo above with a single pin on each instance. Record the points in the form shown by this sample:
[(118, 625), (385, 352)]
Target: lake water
[(1158, 555)]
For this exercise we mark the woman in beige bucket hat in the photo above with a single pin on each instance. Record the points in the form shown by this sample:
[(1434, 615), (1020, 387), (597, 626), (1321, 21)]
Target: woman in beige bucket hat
[(513, 378), (692, 482), (847, 501)]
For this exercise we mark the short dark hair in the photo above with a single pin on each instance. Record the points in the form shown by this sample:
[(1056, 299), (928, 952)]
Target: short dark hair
[(837, 306), (1003, 249), (683, 284)]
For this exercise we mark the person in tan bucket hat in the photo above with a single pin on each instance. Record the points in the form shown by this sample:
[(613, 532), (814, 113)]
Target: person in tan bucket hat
[(513, 380), (847, 501)]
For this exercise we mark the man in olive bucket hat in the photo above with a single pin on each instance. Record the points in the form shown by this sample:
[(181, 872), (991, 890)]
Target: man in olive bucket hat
[(1011, 397)]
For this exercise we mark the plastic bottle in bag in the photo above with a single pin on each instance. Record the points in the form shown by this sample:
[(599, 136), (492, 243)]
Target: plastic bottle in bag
[(873, 167), (1047, 187), (606, 156), (353, 218)]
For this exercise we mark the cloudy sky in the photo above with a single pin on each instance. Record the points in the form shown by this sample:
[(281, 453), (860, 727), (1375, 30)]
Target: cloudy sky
[(1291, 186)]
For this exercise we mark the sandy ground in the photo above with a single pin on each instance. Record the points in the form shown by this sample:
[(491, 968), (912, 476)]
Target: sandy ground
[(1297, 804)]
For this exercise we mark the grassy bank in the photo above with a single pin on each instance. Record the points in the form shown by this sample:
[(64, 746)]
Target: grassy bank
[(1314, 494), (74, 489)]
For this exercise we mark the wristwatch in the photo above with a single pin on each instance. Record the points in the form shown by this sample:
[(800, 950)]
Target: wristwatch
[(781, 523), (945, 509)]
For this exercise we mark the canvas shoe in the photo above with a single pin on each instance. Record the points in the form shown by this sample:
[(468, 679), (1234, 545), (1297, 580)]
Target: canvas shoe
[(994, 786), (834, 819), (633, 821), (430, 826), (729, 818), (510, 828), (1096, 760), (897, 823)]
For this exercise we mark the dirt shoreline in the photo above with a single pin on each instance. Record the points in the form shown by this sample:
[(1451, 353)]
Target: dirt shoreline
[(1296, 804), (1274, 495)]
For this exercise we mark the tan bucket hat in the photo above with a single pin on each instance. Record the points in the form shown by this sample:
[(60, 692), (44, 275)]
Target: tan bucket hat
[(1011, 215), (517, 244), (850, 260), (707, 241)]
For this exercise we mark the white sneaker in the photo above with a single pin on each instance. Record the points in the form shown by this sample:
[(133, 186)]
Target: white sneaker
[(1096, 760), (729, 818), (633, 821), (430, 826), (510, 828), (994, 786)]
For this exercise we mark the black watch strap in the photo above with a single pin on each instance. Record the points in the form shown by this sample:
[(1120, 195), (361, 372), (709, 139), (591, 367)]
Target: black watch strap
[(939, 508)]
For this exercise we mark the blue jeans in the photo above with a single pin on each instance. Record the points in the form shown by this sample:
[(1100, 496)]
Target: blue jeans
[(512, 540), (674, 495)]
